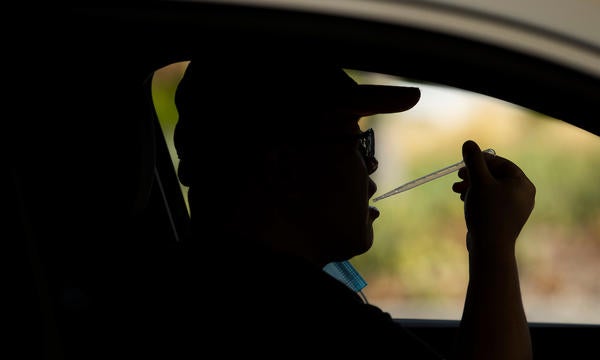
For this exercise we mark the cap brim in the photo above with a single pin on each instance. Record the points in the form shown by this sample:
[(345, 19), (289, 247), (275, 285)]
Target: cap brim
[(368, 100)]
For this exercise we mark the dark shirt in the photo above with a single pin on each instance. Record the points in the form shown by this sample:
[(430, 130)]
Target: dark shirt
[(226, 301), (255, 302)]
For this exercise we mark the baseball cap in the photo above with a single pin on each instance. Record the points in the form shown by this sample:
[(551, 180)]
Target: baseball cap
[(248, 98)]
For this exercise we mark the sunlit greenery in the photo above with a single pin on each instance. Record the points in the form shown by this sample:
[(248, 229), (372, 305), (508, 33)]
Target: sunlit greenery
[(419, 254)]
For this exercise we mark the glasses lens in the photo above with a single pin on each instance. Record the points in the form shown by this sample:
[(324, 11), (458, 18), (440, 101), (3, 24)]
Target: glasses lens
[(367, 145)]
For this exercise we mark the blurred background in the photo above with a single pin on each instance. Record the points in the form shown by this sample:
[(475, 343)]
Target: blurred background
[(417, 267)]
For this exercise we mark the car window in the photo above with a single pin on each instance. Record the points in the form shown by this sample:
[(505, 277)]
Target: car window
[(417, 267)]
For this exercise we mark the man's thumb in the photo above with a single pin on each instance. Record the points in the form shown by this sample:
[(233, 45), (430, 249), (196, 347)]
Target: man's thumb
[(474, 161)]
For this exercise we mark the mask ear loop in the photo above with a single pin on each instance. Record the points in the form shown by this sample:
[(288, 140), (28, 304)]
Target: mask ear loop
[(344, 272)]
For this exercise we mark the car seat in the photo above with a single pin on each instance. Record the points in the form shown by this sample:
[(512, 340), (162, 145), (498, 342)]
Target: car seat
[(87, 214)]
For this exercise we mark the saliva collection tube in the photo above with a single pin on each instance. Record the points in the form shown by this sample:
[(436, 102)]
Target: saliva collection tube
[(427, 178)]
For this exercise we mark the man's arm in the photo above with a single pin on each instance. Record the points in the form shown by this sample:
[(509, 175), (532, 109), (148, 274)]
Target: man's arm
[(498, 200)]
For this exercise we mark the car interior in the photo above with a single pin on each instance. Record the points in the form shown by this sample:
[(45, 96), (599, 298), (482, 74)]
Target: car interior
[(93, 196)]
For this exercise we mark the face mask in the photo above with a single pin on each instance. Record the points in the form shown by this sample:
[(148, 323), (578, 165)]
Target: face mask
[(344, 272)]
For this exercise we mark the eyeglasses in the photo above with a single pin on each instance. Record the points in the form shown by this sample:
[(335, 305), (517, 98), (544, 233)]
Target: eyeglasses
[(366, 142), (366, 146)]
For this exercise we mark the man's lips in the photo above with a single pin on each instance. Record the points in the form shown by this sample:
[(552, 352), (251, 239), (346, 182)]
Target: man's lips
[(373, 212)]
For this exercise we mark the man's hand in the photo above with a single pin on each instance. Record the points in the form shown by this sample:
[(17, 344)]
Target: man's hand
[(498, 199)]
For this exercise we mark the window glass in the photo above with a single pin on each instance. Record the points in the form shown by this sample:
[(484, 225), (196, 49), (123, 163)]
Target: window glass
[(417, 267)]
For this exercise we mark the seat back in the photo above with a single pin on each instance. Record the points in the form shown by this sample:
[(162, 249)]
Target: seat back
[(84, 184)]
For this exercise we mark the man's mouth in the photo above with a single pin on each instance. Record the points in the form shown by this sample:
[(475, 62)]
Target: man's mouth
[(373, 212)]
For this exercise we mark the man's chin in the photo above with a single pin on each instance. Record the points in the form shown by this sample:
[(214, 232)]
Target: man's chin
[(366, 244)]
